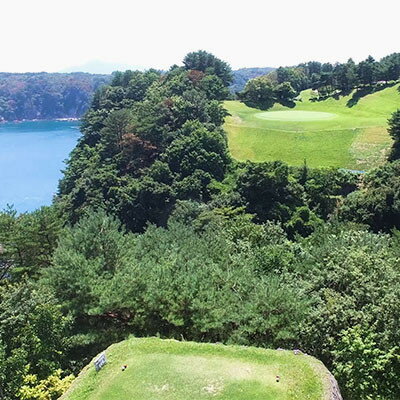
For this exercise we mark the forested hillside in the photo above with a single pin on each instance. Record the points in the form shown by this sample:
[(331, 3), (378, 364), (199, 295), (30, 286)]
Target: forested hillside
[(157, 231), (47, 96), (243, 75)]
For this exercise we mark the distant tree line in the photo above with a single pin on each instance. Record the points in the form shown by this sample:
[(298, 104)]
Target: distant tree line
[(325, 78), (340, 76), (47, 96)]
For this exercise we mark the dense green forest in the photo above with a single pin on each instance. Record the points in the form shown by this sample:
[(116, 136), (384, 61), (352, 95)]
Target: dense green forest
[(47, 96), (156, 230)]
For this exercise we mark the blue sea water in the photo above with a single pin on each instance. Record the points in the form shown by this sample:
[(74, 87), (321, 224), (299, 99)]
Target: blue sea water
[(32, 156)]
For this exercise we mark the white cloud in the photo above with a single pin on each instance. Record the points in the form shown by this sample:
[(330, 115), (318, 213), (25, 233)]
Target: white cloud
[(52, 35)]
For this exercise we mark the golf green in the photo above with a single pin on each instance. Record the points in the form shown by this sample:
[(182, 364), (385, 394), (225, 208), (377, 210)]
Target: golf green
[(295, 115), (345, 132)]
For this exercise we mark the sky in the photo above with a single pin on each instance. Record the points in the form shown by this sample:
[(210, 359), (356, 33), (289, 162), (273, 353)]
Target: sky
[(55, 35)]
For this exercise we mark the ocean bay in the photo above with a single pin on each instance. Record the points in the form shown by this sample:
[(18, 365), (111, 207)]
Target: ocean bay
[(32, 155)]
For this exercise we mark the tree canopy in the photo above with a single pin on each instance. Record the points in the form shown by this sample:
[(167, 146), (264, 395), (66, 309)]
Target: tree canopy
[(151, 139)]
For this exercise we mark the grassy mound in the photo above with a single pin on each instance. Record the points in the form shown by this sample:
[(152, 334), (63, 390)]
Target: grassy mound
[(339, 133), (168, 369)]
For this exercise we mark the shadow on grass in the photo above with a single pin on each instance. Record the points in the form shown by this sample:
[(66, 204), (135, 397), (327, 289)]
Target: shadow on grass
[(335, 95), (366, 90), (359, 93)]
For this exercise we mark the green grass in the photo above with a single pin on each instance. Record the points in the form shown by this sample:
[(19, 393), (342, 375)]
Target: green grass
[(326, 133), (170, 370), (294, 115)]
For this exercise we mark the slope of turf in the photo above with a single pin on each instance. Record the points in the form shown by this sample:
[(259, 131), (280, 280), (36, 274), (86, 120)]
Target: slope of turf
[(170, 370), (324, 133), (292, 115)]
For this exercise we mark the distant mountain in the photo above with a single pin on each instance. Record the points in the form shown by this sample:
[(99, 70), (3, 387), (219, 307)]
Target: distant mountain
[(47, 95), (102, 67), (242, 75)]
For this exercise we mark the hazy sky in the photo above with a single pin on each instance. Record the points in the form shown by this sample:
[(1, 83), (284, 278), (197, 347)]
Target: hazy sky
[(51, 35)]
